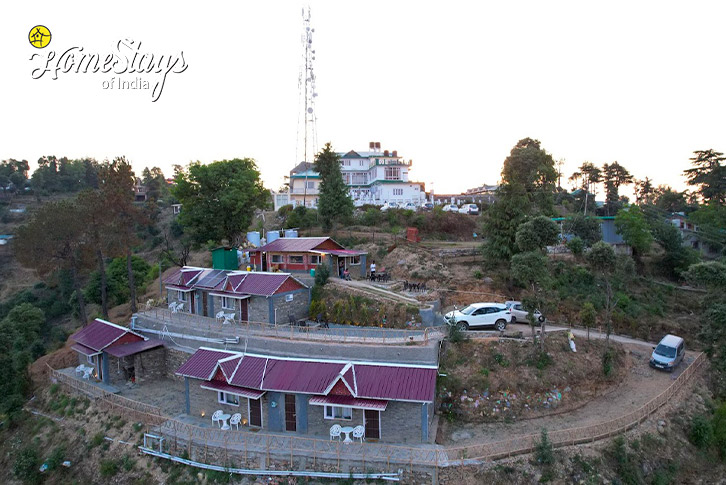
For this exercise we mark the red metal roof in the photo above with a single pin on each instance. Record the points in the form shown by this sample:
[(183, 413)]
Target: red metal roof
[(134, 347), (228, 366), (83, 349), (252, 283), (295, 244), (249, 372), (367, 381), (397, 383), (240, 391), (202, 363), (261, 284), (341, 252), (299, 376), (349, 402), (99, 334)]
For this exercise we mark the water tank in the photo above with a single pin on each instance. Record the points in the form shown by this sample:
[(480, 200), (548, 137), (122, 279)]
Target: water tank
[(253, 238), (272, 235), (290, 232)]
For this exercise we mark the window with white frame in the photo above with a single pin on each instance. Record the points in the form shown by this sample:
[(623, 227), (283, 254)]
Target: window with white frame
[(296, 259), (227, 303), (338, 412), (314, 259), (182, 295), (310, 184), (354, 260), (345, 163), (226, 398), (393, 173), (277, 258), (397, 191), (89, 358)]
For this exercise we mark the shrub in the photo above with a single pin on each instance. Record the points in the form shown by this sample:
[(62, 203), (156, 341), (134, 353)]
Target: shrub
[(108, 468), (478, 274), (26, 466), (701, 432), (501, 360), (56, 457), (608, 359), (322, 273), (576, 246), (543, 450), (97, 439)]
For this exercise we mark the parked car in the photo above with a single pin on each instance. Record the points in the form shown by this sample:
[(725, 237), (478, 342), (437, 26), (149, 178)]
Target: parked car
[(472, 209), (477, 315), (427, 206), (410, 206), (520, 314), (669, 353), (451, 208), (389, 205)]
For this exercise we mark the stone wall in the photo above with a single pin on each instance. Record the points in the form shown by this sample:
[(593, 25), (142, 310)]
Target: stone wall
[(204, 400), (298, 307), (150, 365), (259, 309), (119, 370), (174, 359)]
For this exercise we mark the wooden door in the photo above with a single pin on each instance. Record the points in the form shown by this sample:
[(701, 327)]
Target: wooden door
[(372, 424), (255, 412), (290, 414), (243, 310), (204, 304)]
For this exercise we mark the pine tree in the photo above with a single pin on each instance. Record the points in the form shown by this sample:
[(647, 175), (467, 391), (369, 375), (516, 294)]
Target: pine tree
[(334, 203)]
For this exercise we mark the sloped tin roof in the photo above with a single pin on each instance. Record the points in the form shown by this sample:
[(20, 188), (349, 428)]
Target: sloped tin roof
[(203, 363), (294, 244), (124, 350), (98, 334)]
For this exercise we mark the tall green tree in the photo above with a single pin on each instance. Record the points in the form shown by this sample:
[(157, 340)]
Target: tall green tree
[(667, 199), (218, 200), (536, 234), (527, 188), (632, 225), (116, 184), (603, 262), (530, 270), (709, 175), (334, 202), (586, 177), (614, 176), (585, 227), (55, 239)]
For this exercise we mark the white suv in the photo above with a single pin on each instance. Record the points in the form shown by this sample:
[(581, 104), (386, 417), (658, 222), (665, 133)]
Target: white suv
[(476, 315), (472, 209), (520, 314)]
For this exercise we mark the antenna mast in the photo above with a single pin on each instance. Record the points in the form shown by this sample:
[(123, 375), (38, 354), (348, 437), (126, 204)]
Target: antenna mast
[(307, 91)]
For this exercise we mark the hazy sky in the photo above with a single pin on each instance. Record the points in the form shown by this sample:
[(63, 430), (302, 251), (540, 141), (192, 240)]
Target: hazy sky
[(451, 85)]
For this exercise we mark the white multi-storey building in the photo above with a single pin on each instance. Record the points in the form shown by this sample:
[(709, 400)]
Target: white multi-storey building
[(373, 177)]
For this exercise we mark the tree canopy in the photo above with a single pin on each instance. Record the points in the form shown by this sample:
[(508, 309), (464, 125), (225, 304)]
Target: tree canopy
[(632, 225), (537, 233), (709, 175), (334, 202), (218, 199)]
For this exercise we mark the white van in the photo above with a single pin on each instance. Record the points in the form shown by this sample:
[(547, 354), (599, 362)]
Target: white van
[(669, 353)]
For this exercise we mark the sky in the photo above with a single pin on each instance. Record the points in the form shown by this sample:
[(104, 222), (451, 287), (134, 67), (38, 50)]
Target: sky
[(450, 85)]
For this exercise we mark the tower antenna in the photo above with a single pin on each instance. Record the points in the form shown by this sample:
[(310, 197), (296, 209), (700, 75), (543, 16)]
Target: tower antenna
[(306, 83)]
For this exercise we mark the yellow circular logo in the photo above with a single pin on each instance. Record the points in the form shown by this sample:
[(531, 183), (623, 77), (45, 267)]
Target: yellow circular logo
[(39, 36)]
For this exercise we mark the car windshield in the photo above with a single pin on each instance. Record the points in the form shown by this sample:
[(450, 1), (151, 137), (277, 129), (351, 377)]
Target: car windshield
[(468, 310), (665, 351)]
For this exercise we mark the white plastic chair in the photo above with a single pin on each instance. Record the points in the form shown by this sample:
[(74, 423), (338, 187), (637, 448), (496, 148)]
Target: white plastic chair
[(228, 319), (87, 372), (172, 306), (220, 315), (359, 432), (217, 417), (80, 369), (335, 431), (235, 420)]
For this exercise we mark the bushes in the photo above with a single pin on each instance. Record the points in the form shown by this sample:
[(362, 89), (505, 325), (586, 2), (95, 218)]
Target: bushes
[(108, 468), (543, 450), (26, 466), (608, 359), (701, 432)]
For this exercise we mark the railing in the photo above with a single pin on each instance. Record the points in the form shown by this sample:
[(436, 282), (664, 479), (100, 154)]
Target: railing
[(222, 446), (573, 436), (161, 320)]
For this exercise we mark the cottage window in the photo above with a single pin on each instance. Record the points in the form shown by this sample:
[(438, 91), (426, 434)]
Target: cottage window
[(355, 260), (310, 184), (182, 295), (89, 358), (226, 398), (227, 303), (397, 191), (393, 173), (338, 412), (314, 259), (296, 260), (277, 258)]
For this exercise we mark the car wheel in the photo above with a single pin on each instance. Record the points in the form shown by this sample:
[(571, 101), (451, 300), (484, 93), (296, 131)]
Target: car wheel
[(463, 326), (500, 325), (541, 319)]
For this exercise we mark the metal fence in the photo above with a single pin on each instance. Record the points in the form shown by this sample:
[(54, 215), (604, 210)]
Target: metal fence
[(216, 446), (161, 320)]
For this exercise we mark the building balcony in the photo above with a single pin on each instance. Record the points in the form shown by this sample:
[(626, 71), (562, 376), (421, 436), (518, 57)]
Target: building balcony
[(303, 192)]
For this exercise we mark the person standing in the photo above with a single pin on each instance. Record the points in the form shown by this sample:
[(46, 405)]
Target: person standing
[(373, 269)]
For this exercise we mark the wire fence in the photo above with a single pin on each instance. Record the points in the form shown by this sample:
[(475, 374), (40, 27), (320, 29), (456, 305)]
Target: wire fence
[(162, 321), (216, 446)]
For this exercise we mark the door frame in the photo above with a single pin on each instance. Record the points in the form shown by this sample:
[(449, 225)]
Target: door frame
[(365, 421), (294, 402), (249, 412)]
